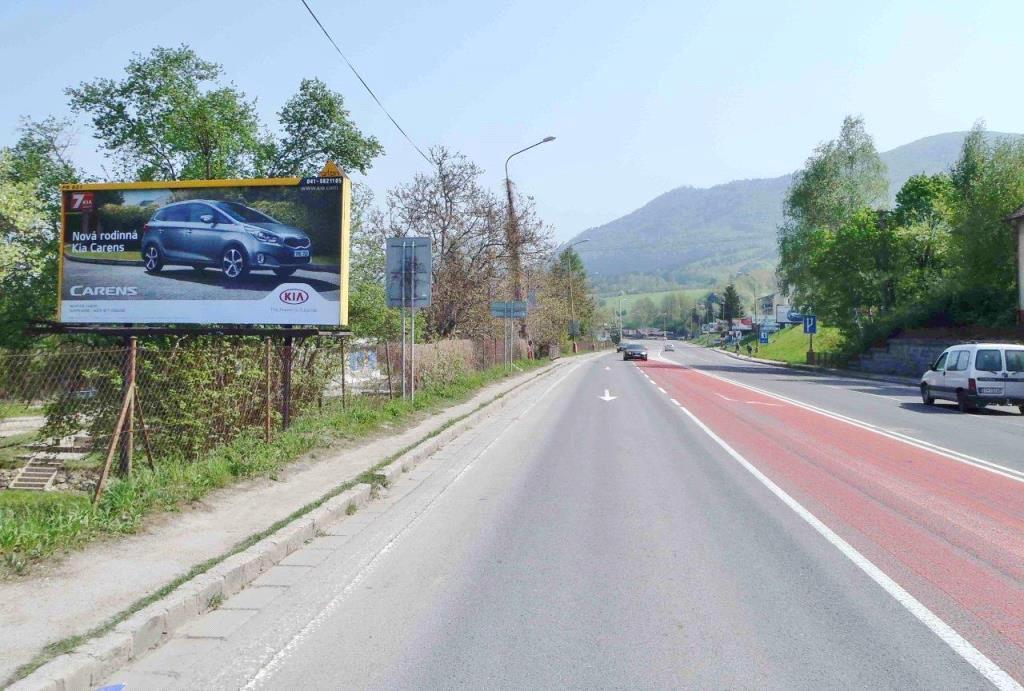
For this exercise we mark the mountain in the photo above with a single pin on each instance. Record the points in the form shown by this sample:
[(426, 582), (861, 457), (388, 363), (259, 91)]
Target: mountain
[(693, 236)]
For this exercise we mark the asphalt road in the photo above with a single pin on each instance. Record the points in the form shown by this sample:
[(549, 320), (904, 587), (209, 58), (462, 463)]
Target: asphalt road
[(646, 525), (185, 283)]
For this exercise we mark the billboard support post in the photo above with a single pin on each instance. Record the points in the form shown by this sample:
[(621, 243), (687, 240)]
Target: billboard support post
[(286, 383), (124, 464), (343, 359), (124, 431), (269, 376)]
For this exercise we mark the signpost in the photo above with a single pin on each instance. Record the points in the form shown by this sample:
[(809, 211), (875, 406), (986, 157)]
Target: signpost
[(508, 311), (810, 328), (408, 263), (762, 337)]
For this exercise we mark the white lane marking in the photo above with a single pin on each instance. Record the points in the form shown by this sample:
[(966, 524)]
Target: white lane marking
[(774, 405), (662, 390), (726, 397), (607, 396), (368, 566), (676, 402), (606, 369), (949, 636), (957, 456)]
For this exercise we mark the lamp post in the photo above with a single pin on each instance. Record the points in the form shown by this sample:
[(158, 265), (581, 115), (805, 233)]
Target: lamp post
[(572, 309), (512, 238)]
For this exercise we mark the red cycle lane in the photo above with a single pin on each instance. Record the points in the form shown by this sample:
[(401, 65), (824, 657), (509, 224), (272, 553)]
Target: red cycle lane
[(950, 533)]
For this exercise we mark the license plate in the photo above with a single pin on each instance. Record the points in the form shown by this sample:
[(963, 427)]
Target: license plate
[(990, 389), (301, 253)]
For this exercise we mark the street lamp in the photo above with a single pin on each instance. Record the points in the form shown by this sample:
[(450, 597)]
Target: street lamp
[(572, 310), (512, 238)]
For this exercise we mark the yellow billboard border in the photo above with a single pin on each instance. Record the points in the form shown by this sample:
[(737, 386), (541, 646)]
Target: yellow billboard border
[(346, 219)]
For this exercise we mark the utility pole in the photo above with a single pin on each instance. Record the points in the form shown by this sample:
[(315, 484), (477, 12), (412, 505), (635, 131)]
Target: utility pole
[(513, 239)]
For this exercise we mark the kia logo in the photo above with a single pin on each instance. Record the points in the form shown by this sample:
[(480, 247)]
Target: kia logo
[(295, 296)]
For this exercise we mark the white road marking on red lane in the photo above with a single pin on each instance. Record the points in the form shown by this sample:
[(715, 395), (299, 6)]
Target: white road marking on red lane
[(957, 456), (944, 631), (662, 390), (726, 397)]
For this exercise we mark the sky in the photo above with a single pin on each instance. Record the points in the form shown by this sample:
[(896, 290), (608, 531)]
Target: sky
[(642, 97)]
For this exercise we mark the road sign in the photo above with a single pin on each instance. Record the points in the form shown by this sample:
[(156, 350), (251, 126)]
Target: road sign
[(762, 337), (810, 324), (509, 309), (408, 265)]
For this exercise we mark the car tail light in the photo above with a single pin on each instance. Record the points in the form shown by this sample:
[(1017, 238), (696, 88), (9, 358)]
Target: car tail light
[(145, 228), (972, 385)]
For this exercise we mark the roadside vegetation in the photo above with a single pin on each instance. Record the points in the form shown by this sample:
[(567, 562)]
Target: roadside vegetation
[(37, 525), (941, 256), (790, 344)]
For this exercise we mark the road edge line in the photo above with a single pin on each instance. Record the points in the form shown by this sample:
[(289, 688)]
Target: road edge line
[(951, 454), (960, 645)]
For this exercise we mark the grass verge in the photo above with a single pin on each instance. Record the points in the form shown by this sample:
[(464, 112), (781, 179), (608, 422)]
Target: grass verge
[(790, 345), (36, 526)]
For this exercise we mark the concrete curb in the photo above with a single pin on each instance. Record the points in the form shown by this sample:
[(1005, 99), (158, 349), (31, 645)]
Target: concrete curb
[(892, 379), (94, 661)]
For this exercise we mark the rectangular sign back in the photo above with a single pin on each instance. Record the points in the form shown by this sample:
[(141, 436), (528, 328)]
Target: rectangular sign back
[(408, 265), (266, 251)]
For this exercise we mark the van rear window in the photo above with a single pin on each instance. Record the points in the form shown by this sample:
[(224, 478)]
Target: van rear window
[(989, 361), (1015, 360)]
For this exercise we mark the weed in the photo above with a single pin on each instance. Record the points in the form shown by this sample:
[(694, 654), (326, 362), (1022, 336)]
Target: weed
[(351, 509)]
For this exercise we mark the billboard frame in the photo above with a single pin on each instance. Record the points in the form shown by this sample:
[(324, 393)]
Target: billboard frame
[(344, 253)]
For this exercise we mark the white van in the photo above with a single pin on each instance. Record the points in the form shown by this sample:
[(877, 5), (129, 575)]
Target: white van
[(975, 375)]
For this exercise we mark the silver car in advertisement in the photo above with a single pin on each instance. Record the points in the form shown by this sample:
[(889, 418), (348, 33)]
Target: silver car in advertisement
[(225, 235)]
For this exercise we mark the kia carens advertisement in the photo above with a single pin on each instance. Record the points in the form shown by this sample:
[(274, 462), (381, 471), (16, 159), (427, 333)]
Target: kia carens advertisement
[(206, 252)]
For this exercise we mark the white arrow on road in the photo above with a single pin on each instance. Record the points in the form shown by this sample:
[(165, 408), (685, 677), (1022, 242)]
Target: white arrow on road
[(606, 369), (607, 396)]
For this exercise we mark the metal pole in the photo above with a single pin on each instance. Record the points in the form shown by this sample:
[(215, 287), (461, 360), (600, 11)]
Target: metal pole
[(266, 422), (404, 289), (412, 329), (343, 373), (124, 466), (286, 384)]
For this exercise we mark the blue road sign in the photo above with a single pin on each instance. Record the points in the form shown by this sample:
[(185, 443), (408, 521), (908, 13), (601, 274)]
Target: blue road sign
[(810, 324), (762, 337)]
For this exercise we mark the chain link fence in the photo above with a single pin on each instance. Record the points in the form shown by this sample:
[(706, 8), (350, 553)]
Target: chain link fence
[(198, 394)]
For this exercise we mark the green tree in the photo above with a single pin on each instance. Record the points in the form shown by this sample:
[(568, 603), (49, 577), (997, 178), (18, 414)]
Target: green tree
[(643, 313), (732, 305), (922, 218), (989, 183), (570, 271), (30, 174), (172, 117), (316, 128), (841, 178)]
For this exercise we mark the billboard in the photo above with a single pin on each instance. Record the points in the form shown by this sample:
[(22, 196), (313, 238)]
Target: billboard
[(784, 314), (265, 251)]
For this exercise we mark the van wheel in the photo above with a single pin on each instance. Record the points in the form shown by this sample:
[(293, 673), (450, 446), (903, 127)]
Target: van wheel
[(1021, 409), (234, 264), (152, 259), (962, 402), (926, 396)]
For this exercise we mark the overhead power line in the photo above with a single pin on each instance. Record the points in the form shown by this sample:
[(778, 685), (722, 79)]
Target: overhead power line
[(363, 82)]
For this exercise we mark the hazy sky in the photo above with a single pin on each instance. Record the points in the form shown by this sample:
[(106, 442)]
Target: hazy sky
[(643, 96)]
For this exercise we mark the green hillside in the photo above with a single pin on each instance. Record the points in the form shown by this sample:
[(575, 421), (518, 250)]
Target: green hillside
[(698, 236)]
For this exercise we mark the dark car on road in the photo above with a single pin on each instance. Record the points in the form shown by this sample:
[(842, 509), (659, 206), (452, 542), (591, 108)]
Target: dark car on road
[(634, 351), (228, 236)]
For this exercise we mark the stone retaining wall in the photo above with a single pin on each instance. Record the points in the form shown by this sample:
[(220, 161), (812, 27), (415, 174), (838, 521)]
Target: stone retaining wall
[(905, 357)]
